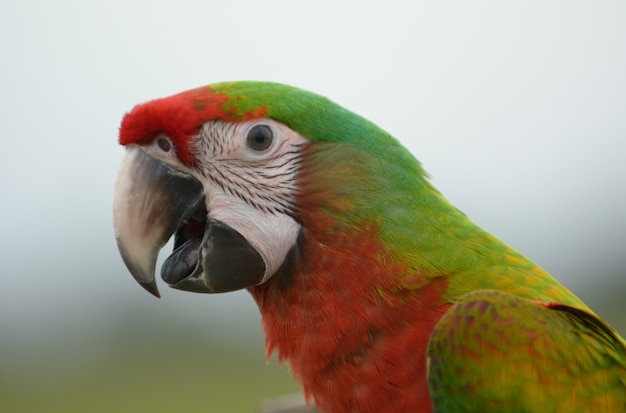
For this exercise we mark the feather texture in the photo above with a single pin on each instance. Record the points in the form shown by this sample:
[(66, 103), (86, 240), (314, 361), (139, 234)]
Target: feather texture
[(383, 261)]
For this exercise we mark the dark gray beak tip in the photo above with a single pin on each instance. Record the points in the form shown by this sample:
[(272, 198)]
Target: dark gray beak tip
[(151, 287)]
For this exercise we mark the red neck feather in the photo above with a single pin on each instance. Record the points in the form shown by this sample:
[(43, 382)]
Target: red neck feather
[(348, 322)]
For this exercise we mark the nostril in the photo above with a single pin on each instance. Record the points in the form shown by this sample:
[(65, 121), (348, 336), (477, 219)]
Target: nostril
[(164, 144)]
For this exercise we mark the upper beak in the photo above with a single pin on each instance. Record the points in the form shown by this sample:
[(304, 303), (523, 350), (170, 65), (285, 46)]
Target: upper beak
[(151, 201)]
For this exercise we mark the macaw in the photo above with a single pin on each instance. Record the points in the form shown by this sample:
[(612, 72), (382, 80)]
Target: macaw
[(380, 294)]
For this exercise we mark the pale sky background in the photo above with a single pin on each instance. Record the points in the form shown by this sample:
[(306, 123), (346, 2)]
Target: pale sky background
[(517, 110)]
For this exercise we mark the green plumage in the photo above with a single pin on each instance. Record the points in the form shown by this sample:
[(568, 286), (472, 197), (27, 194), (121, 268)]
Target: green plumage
[(495, 352), (500, 347)]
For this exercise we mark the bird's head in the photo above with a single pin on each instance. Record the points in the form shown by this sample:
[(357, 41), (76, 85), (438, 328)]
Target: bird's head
[(222, 169)]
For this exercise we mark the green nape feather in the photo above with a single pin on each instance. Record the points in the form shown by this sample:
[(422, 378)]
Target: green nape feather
[(495, 352), (313, 115)]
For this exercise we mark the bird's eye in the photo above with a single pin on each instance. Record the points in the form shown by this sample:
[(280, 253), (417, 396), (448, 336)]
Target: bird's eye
[(164, 144), (260, 137)]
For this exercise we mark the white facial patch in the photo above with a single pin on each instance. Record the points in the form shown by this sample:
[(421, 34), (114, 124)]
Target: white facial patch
[(271, 234), (252, 190)]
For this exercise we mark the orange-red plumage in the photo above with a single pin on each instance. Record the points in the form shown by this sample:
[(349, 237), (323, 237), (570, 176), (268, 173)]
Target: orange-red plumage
[(354, 335)]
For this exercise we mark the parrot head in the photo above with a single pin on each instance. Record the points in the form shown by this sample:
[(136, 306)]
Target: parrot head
[(229, 171)]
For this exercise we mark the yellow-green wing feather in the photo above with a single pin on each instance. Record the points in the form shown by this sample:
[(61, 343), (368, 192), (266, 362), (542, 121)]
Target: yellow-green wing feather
[(496, 352)]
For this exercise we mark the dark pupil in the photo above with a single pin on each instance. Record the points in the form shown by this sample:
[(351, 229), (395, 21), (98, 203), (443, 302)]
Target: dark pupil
[(260, 137)]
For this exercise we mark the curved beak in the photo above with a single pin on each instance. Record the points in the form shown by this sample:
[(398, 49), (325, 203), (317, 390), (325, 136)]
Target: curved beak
[(152, 199)]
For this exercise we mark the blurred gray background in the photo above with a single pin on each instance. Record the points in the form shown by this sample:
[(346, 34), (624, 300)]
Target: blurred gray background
[(516, 110)]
